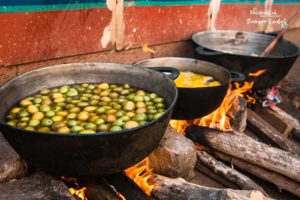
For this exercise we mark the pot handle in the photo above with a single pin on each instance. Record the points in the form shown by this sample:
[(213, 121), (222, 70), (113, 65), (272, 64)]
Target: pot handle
[(170, 72), (203, 51), (237, 76)]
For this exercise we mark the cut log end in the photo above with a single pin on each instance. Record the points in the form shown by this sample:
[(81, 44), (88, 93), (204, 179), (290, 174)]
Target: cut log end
[(174, 157)]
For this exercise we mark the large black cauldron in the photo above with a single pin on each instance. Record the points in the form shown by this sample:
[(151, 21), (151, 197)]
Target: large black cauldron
[(240, 51), (90, 154)]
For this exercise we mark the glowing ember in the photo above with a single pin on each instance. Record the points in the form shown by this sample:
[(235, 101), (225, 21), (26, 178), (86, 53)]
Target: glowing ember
[(74, 188), (142, 175), (200, 147), (221, 117), (79, 193)]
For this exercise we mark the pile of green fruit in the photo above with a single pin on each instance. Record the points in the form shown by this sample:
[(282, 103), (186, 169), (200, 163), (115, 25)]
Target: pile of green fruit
[(86, 108)]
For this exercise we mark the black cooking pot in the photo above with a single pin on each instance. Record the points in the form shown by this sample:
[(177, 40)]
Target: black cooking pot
[(196, 102), (89, 154), (240, 51)]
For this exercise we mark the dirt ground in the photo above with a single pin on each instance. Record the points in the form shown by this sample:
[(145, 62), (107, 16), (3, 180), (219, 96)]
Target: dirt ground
[(290, 90), (294, 74)]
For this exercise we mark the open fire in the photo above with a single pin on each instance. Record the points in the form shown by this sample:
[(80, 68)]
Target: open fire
[(220, 119), (142, 175)]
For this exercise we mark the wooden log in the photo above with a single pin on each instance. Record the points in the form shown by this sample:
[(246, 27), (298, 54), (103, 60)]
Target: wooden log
[(282, 182), (291, 119), (126, 187), (277, 121), (263, 128), (11, 164), (230, 174), (203, 179), (239, 120), (241, 146), (99, 189), (36, 186), (166, 188), (174, 157), (211, 174)]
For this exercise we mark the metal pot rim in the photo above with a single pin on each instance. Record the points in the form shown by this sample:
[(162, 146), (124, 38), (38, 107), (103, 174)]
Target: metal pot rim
[(193, 60)]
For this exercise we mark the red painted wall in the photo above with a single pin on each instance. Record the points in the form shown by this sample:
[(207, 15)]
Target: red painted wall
[(34, 36), (156, 25)]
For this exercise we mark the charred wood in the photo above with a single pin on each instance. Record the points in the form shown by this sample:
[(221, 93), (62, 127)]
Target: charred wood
[(99, 189), (126, 187)]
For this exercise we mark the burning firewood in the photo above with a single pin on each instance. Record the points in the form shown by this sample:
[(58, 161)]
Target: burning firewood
[(239, 120), (174, 157), (232, 175), (128, 188), (166, 188), (241, 146), (11, 164), (99, 190), (282, 182), (263, 128)]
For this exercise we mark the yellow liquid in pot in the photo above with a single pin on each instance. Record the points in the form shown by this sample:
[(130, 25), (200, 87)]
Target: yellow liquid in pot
[(192, 80)]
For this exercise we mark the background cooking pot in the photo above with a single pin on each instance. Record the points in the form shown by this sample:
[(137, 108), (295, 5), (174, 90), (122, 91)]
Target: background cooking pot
[(193, 103), (89, 154), (235, 50)]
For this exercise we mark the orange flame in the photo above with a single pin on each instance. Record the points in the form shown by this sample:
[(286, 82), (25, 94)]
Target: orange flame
[(257, 73), (79, 193), (142, 175), (180, 125), (221, 117), (120, 196)]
